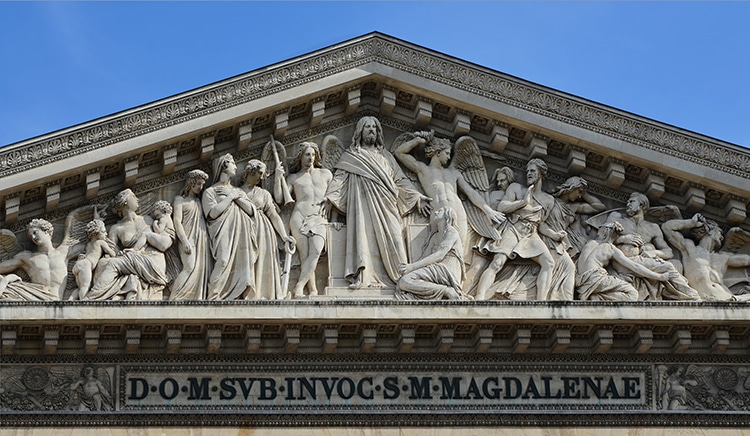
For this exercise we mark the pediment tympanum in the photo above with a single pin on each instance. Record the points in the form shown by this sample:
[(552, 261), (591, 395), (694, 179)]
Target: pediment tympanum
[(375, 196)]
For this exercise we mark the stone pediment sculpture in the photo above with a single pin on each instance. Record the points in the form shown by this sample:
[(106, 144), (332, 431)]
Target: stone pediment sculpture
[(374, 226), (367, 202)]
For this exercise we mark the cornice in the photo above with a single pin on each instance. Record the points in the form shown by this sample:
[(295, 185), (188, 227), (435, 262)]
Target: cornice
[(378, 48)]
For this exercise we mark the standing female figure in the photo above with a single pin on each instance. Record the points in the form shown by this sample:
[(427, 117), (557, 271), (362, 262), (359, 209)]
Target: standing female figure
[(231, 234), (268, 225), (192, 234)]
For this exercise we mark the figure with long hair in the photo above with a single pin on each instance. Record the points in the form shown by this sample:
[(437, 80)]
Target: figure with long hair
[(371, 190), (308, 224), (192, 236)]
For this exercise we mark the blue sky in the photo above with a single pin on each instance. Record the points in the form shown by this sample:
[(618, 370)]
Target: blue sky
[(681, 63)]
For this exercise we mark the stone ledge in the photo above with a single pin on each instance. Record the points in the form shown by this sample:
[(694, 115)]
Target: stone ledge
[(378, 311)]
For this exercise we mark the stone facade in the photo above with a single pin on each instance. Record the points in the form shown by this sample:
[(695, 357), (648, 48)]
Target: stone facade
[(374, 234)]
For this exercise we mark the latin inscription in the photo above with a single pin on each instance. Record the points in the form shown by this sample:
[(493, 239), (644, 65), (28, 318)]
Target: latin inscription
[(502, 390)]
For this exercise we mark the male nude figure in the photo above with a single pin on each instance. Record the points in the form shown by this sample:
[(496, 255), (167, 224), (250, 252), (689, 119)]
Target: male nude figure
[(643, 242), (308, 222)]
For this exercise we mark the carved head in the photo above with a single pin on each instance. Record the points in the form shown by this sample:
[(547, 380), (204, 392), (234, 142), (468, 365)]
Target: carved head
[(503, 177), (41, 225), (223, 164), (255, 171), (94, 228), (194, 178), (125, 198), (536, 170), (637, 202), (610, 231), (436, 146), (446, 213), (368, 132), (306, 150), (574, 183), (161, 208), (709, 229)]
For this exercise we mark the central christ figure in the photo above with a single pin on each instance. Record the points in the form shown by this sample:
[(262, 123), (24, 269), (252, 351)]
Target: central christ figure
[(372, 191)]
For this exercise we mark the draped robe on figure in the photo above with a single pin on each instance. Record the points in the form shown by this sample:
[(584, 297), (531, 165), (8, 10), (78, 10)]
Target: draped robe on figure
[(373, 192), (196, 282), (234, 249), (267, 268)]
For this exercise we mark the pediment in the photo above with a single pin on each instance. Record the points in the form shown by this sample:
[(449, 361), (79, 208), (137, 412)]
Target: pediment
[(366, 333)]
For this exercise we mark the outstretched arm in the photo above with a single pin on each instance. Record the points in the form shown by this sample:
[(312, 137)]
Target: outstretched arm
[(402, 153), (639, 270), (479, 201), (672, 232)]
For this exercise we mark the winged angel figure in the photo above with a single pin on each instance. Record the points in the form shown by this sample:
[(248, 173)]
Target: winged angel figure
[(42, 274), (57, 388), (444, 178), (679, 387)]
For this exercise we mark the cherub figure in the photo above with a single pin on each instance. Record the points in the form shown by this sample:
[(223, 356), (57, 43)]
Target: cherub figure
[(97, 247), (162, 223), (89, 393), (47, 267), (675, 388)]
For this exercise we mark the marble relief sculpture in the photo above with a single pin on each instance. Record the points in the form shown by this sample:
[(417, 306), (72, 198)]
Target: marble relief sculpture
[(371, 190), (231, 231), (442, 182), (268, 227), (308, 223), (46, 267), (704, 266), (439, 273), (98, 246), (527, 209), (593, 280), (575, 202), (643, 242), (192, 236), (234, 239), (139, 271)]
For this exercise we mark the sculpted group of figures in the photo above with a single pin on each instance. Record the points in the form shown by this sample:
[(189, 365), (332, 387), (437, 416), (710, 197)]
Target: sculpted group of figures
[(225, 239)]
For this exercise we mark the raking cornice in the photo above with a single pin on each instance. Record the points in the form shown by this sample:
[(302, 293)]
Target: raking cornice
[(394, 53)]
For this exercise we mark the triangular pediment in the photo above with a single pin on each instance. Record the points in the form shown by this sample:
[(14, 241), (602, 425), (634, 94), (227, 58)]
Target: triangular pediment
[(396, 361)]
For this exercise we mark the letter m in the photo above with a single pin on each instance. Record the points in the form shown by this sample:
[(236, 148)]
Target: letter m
[(199, 389), (420, 388), (451, 388)]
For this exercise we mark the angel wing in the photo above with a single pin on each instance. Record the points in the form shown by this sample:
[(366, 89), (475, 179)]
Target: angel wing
[(273, 155), (662, 214), (9, 245), (467, 159), (736, 240), (331, 150), (76, 221)]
